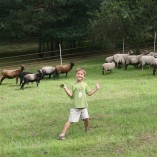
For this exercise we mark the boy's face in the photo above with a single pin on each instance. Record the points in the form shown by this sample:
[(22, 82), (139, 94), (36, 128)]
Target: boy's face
[(79, 76)]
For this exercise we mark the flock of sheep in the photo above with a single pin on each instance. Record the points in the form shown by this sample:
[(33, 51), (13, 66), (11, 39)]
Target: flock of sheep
[(26, 77), (139, 61), (117, 60)]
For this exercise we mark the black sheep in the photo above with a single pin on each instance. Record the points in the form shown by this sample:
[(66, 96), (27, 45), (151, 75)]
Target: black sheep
[(36, 77), (22, 74)]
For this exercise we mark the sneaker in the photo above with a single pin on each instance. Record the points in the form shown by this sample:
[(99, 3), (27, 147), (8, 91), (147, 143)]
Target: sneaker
[(61, 137), (88, 130)]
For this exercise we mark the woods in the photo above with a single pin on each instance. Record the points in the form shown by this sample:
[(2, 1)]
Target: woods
[(71, 22)]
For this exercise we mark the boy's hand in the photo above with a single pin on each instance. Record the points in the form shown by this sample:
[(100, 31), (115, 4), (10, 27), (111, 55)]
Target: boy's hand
[(62, 85), (97, 85)]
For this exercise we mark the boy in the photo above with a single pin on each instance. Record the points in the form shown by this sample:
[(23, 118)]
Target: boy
[(79, 102)]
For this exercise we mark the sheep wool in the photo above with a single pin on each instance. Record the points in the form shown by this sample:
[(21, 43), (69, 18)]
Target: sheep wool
[(48, 70), (10, 74), (60, 69), (109, 59), (108, 67), (149, 60)]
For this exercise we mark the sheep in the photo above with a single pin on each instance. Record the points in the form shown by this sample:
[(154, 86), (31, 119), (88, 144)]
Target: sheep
[(36, 77), (22, 74), (120, 59), (132, 60), (108, 67), (109, 59), (147, 60), (48, 70), (60, 69), (10, 74), (155, 67), (152, 54)]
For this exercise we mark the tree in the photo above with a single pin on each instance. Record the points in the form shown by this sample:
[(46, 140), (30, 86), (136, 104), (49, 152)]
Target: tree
[(51, 21), (115, 20)]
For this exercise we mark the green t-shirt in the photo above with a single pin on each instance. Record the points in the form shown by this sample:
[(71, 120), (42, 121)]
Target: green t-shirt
[(79, 91)]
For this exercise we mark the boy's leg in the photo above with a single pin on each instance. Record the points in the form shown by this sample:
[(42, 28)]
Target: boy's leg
[(85, 117), (73, 117), (66, 127), (86, 124)]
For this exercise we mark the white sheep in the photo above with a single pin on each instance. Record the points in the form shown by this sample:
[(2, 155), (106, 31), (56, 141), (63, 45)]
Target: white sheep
[(120, 59), (108, 67), (152, 54), (48, 70), (155, 67), (109, 59), (133, 60), (147, 60)]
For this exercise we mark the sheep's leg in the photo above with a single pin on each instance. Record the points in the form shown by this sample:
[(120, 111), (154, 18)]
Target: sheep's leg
[(37, 83), (154, 70), (22, 86), (57, 75), (126, 66), (49, 76), (16, 79), (2, 80), (66, 74), (21, 81)]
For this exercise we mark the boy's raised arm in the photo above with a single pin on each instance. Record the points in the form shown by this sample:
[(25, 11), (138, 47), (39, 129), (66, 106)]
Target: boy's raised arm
[(66, 90), (94, 90)]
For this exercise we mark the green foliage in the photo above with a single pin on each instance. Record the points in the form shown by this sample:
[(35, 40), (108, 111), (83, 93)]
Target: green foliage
[(135, 21), (45, 19)]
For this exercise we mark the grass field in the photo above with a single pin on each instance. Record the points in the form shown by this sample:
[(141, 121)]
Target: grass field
[(123, 116), (18, 48)]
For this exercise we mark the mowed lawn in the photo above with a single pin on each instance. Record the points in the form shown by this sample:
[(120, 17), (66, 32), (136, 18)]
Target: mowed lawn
[(123, 116)]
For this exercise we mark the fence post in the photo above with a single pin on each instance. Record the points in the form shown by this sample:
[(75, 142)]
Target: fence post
[(154, 41), (123, 45), (60, 53)]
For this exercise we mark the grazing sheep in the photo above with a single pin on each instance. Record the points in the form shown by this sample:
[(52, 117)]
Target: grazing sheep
[(155, 67), (109, 59), (22, 74), (152, 54), (48, 70), (108, 67), (132, 60), (36, 77), (120, 59), (10, 74), (147, 60), (60, 69)]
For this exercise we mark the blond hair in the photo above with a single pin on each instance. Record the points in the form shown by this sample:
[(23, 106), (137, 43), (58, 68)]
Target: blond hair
[(81, 69)]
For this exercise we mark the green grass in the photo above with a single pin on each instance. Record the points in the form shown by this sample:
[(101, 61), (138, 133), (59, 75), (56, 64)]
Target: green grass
[(123, 116), (18, 48)]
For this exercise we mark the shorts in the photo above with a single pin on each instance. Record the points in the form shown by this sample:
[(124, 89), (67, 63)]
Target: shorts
[(76, 113)]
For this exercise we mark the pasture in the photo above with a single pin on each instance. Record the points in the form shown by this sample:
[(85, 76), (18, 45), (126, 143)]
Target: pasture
[(123, 115)]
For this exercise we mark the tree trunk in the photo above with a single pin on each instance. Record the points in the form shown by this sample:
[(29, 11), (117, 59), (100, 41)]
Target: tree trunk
[(40, 49)]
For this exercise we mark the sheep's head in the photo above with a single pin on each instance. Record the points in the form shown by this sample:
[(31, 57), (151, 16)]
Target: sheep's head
[(72, 64), (40, 73), (22, 67)]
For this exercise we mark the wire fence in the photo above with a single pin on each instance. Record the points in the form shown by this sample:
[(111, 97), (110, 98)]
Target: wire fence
[(71, 54)]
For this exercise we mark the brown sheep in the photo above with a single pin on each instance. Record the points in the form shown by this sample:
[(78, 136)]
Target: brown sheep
[(60, 69), (10, 74)]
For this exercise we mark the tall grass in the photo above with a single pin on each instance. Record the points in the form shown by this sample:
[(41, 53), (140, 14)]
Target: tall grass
[(123, 116)]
